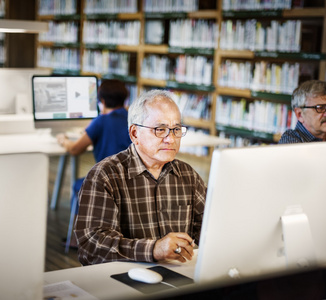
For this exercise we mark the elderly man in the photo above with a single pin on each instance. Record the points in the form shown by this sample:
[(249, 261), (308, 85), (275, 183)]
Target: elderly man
[(142, 204), (309, 106)]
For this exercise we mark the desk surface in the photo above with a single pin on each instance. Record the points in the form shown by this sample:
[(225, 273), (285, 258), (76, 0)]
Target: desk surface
[(96, 279)]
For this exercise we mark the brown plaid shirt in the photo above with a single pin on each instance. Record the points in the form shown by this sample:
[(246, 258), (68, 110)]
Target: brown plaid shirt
[(123, 209)]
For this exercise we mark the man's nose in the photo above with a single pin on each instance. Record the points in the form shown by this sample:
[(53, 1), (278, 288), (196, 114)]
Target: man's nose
[(170, 136)]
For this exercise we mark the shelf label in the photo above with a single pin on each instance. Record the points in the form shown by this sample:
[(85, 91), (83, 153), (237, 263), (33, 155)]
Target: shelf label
[(195, 51)]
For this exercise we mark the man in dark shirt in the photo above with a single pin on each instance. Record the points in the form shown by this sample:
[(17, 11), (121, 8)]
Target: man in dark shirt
[(309, 105)]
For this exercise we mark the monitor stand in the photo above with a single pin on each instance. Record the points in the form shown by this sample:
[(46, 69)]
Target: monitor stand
[(298, 241)]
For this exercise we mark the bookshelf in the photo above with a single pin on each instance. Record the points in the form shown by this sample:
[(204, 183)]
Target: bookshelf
[(188, 49), (283, 47)]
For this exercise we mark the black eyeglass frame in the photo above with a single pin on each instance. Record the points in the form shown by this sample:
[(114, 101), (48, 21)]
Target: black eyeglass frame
[(317, 107), (183, 133)]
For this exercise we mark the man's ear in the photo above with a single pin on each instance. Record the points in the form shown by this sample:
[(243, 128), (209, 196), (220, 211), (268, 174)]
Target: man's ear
[(298, 114), (133, 133)]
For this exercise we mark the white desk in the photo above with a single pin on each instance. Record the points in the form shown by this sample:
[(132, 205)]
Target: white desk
[(23, 211), (96, 279), (41, 141), (193, 139)]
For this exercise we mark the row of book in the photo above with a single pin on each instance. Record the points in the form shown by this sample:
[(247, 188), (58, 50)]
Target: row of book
[(59, 59), (105, 61), (196, 106), (191, 33), (2, 8), (194, 69), (278, 78), (111, 32), (235, 74), (68, 7), (255, 4), (110, 6), (156, 67), (260, 36), (154, 32), (258, 115), (184, 69), (60, 32), (57, 7), (170, 5), (261, 76)]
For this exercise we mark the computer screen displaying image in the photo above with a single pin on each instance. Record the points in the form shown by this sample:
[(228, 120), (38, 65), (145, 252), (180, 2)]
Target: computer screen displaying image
[(264, 213), (62, 102)]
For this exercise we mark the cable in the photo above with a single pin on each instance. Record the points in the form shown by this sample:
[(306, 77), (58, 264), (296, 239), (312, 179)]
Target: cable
[(171, 285)]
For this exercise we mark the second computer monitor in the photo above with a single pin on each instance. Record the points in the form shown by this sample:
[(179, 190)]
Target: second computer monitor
[(64, 102)]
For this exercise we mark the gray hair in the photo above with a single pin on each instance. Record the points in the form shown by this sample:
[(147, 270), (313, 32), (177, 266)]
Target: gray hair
[(308, 89), (137, 111)]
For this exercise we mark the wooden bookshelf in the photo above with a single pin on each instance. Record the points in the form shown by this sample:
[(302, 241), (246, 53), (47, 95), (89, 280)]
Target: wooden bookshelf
[(304, 12), (309, 17), (208, 11)]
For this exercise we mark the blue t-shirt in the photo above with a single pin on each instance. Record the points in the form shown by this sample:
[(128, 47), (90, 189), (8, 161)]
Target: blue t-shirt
[(109, 133)]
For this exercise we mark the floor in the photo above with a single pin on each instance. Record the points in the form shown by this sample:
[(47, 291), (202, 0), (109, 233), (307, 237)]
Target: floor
[(57, 223)]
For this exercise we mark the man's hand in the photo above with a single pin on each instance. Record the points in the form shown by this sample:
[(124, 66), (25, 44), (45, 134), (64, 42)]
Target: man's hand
[(165, 247)]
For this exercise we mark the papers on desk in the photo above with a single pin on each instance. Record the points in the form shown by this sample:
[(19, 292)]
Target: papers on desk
[(65, 290)]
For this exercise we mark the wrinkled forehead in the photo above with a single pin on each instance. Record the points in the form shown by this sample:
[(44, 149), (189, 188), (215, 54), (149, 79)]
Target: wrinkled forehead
[(316, 99), (163, 110), (164, 104)]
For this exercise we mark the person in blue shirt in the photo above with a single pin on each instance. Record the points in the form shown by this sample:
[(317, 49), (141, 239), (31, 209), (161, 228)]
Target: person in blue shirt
[(108, 133), (309, 105)]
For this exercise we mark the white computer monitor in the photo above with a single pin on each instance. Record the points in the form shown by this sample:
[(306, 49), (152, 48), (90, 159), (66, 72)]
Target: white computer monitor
[(63, 103), (265, 213)]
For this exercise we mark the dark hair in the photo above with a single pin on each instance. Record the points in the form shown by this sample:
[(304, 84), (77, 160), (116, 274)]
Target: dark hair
[(113, 92)]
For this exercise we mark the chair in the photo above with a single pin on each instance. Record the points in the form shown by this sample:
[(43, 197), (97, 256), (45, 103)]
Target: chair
[(74, 206)]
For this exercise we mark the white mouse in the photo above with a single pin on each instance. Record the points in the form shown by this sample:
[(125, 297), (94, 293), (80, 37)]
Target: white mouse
[(145, 275)]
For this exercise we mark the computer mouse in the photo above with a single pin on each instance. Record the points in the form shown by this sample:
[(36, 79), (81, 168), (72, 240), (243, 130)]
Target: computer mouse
[(145, 275)]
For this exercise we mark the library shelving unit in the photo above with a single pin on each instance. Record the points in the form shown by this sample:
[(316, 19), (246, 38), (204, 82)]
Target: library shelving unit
[(164, 44), (282, 47)]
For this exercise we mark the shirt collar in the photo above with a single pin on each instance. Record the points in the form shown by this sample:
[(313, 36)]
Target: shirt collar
[(136, 165), (307, 135)]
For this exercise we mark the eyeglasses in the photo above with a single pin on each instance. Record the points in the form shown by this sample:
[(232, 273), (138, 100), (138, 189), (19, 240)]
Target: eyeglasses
[(320, 108), (163, 132)]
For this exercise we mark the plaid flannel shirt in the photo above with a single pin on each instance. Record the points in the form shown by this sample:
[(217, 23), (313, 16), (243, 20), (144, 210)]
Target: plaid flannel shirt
[(123, 209)]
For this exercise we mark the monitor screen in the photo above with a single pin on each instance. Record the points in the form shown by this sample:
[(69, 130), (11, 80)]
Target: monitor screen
[(64, 102), (265, 213)]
